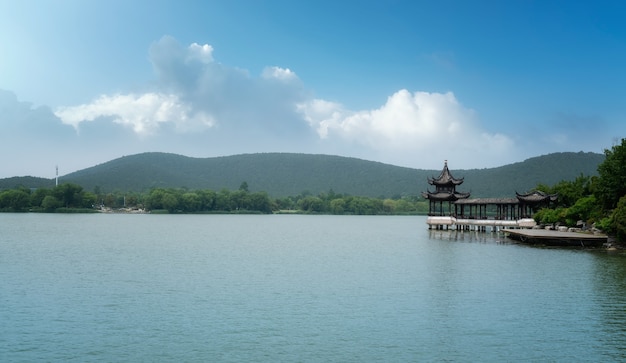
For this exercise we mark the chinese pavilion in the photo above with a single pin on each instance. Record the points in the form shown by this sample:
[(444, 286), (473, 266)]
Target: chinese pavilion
[(445, 191), (479, 212)]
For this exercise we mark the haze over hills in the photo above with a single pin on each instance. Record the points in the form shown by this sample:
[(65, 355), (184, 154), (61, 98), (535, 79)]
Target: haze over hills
[(288, 174)]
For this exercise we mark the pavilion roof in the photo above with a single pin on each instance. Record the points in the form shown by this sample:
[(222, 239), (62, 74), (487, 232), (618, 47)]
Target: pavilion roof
[(536, 196), (445, 196), (445, 177)]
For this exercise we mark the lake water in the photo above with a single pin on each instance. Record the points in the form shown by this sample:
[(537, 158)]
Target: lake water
[(293, 288)]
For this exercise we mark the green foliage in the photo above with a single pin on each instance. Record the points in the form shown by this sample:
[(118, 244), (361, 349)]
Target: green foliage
[(606, 224), (170, 202), (50, 203), (202, 201), (261, 202), (69, 194), (615, 224), (611, 183), (72, 198), (191, 202), (28, 181), (585, 209), (154, 181), (575, 203), (569, 191), (619, 219), (598, 199), (311, 204), (550, 216), (337, 206), (15, 200), (38, 196), (283, 175)]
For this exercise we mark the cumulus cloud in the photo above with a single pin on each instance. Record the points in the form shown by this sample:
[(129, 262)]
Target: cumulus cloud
[(200, 107), (409, 126), (143, 113), (283, 74), (201, 53)]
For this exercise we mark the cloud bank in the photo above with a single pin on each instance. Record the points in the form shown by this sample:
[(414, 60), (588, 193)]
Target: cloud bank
[(199, 107), (410, 126), (143, 113)]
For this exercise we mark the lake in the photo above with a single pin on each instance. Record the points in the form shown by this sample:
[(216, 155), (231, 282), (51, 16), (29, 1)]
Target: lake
[(295, 288)]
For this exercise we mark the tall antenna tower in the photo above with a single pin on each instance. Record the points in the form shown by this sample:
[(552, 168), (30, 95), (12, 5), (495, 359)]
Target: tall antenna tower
[(57, 177)]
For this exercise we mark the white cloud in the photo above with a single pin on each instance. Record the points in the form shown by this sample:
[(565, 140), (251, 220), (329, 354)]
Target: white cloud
[(283, 74), (409, 126), (143, 113), (322, 115), (202, 53), (274, 112)]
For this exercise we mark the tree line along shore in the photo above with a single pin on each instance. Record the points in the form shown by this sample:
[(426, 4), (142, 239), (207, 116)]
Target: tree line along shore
[(72, 198), (596, 200)]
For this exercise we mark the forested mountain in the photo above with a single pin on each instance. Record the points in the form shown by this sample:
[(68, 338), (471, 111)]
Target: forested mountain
[(26, 181), (287, 174)]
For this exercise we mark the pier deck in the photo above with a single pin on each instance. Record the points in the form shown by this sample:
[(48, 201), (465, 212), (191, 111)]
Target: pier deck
[(556, 238)]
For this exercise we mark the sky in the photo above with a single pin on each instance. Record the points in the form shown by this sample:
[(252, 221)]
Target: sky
[(410, 83)]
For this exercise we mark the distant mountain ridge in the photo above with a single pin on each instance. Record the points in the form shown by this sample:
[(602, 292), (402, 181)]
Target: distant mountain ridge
[(289, 174)]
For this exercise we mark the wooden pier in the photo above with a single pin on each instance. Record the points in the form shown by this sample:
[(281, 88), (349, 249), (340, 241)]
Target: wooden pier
[(556, 238)]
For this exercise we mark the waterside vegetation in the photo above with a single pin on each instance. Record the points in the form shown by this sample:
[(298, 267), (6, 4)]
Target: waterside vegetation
[(598, 200), (69, 197), (286, 174)]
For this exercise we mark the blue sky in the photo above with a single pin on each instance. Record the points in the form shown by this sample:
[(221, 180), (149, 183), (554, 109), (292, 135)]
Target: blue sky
[(409, 83)]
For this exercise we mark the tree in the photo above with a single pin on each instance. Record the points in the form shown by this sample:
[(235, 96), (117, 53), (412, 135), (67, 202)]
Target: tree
[(585, 209), (260, 201), (50, 203), (611, 183), (311, 204), (240, 199), (222, 201), (570, 191), (191, 202), (36, 198), (207, 199), (155, 199), (89, 199), (618, 219), (389, 206), (69, 194), (337, 206), (16, 200), (170, 202)]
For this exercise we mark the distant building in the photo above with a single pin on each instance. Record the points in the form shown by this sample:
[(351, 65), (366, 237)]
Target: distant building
[(447, 206), (445, 191)]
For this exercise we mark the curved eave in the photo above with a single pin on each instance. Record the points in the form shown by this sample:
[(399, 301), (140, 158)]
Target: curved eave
[(445, 182), (442, 196), (536, 197)]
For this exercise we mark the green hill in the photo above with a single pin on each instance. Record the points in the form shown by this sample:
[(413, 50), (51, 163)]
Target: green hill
[(26, 181), (285, 174)]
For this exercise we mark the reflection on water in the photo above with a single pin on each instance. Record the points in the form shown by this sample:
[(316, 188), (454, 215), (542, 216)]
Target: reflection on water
[(467, 236), (610, 298)]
